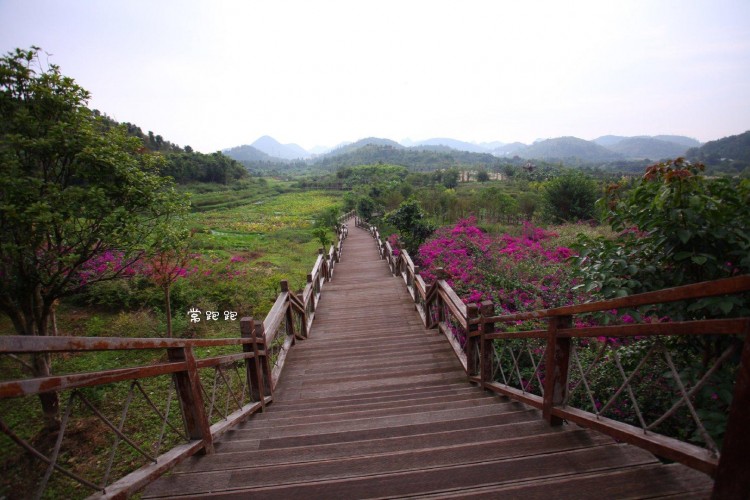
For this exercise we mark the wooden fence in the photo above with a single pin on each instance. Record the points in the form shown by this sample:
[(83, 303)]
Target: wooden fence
[(213, 394), (543, 367)]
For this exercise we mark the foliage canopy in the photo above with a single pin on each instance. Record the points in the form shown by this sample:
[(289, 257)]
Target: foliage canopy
[(74, 194), (676, 227)]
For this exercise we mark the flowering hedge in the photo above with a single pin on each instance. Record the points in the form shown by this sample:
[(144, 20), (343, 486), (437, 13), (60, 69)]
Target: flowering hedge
[(517, 273)]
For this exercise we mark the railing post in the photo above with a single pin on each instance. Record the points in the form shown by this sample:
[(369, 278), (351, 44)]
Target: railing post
[(305, 333), (265, 368), (732, 478), (556, 363), (472, 343), (440, 274), (413, 283), (188, 386), (487, 346), (252, 366), (289, 315), (312, 295)]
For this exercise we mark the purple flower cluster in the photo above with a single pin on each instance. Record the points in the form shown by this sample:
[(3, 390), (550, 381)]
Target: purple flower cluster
[(517, 272)]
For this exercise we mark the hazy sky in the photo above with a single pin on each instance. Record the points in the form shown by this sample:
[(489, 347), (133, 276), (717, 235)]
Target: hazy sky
[(215, 74)]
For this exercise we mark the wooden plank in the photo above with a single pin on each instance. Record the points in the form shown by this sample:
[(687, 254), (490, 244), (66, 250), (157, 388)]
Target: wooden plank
[(408, 482), (525, 397), (16, 388), (279, 366), (697, 327), (223, 360), (458, 313), (557, 361), (732, 478), (481, 436), (576, 444), (663, 446), (188, 386), (453, 298), (672, 481), (253, 368), (725, 286), (31, 344), (275, 316), (139, 478), (457, 349), (316, 267)]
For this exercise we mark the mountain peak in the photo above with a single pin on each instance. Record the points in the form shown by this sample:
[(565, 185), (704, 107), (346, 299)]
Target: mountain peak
[(272, 147)]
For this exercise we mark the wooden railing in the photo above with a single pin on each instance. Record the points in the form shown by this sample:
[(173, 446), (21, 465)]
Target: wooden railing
[(213, 393), (545, 367)]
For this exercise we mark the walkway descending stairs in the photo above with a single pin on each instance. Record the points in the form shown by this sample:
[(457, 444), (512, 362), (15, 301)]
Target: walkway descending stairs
[(372, 405)]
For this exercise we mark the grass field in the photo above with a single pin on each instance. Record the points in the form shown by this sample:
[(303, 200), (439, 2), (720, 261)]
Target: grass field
[(246, 239)]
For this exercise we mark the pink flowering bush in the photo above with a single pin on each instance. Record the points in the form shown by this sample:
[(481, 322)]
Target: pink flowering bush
[(395, 243), (517, 273), (193, 279)]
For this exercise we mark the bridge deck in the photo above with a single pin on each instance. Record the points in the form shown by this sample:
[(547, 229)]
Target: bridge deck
[(373, 405)]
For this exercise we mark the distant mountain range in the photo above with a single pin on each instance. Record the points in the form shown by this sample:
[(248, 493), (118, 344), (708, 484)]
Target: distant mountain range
[(604, 149), (274, 148), (734, 150)]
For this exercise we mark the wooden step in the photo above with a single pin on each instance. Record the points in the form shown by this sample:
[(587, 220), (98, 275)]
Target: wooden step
[(235, 440), (417, 417), (339, 414), (663, 481), (414, 472), (269, 456), (401, 401), (375, 394), (372, 405)]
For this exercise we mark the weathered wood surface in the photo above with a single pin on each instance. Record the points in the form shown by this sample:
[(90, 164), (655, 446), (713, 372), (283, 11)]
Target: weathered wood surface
[(374, 405)]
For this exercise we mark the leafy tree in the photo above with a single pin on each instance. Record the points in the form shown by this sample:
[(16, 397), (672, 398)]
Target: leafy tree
[(570, 197), (677, 227), (528, 203), (321, 234), (411, 223), (365, 207), (494, 203), (450, 178), (483, 176), (328, 218), (167, 265), (79, 203)]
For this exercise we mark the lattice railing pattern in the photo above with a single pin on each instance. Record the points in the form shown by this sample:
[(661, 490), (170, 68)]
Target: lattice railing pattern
[(659, 389), (519, 363), (125, 425), (225, 390)]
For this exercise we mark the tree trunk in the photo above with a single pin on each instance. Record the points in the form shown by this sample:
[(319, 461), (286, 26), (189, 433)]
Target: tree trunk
[(50, 400), (168, 307), (34, 320), (53, 317)]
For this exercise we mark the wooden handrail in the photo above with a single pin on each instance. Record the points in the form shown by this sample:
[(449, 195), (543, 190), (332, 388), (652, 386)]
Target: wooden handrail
[(31, 344), (715, 288), (731, 481), (257, 339)]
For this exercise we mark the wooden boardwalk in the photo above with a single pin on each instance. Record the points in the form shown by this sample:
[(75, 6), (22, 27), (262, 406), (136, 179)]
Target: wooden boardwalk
[(373, 405)]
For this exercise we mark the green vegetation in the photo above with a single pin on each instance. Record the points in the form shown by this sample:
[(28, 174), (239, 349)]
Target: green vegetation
[(411, 223), (78, 206), (676, 227), (730, 155), (570, 197), (95, 242)]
